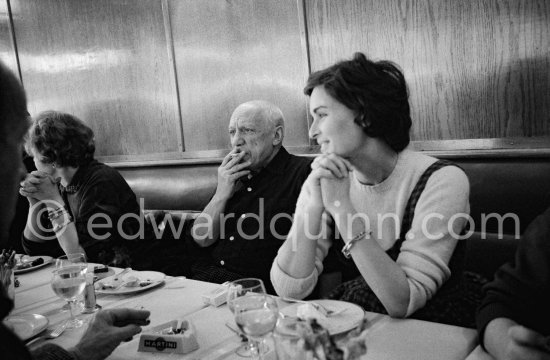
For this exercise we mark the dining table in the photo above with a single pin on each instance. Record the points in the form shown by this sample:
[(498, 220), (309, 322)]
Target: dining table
[(180, 298)]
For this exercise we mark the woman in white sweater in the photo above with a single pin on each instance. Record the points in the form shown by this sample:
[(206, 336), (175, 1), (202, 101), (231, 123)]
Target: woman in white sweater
[(399, 213)]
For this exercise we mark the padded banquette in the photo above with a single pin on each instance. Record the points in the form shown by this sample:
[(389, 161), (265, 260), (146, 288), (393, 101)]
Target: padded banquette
[(499, 185)]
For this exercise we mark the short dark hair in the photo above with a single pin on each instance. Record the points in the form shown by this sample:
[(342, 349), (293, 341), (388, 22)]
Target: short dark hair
[(13, 102), (375, 91), (62, 139)]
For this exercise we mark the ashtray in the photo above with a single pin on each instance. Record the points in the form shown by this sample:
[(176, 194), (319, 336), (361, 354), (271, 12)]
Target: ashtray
[(170, 338)]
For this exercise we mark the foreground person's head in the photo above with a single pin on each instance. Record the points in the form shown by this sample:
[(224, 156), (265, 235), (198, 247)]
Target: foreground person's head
[(13, 126)]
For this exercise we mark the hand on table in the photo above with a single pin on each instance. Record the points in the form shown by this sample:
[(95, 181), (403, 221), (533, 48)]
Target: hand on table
[(526, 344), (108, 329)]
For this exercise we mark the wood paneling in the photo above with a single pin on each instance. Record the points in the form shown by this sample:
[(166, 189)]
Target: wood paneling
[(107, 62), (229, 52), (475, 69), (7, 49)]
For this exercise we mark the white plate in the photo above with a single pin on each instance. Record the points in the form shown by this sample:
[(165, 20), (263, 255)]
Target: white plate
[(47, 261), (27, 325), (157, 279), (337, 324)]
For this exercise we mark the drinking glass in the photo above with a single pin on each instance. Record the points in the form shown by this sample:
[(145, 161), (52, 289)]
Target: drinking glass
[(256, 315), (240, 288), (68, 281), (75, 258)]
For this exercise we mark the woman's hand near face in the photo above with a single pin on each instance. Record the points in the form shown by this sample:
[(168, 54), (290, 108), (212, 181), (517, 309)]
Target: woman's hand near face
[(29, 186), (329, 167), (40, 186), (334, 188)]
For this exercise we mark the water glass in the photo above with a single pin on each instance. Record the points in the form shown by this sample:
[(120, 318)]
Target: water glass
[(68, 282), (256, 315), (240, 288)]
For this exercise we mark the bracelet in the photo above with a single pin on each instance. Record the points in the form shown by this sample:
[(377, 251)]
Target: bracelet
[(54, 214), (59, 227), (346, 250)]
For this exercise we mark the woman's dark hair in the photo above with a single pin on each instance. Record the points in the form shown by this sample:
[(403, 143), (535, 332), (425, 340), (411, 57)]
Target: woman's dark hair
[(375, 91), (62, 139)]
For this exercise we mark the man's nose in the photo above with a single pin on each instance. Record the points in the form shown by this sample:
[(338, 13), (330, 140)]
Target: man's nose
[(237, 139)]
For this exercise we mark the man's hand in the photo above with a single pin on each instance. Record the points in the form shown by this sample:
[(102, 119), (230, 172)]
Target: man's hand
[(526, 344), (229, 172), (107, 330), (505, 339)]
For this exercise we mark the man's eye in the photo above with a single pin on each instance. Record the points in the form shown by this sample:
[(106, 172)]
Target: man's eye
[(231, 132)]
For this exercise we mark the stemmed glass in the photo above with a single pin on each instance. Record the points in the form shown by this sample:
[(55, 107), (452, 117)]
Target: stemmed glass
[(240, 288), (68, 281), (73, 258), (256, 315)]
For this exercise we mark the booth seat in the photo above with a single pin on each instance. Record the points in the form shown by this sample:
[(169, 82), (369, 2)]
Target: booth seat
[(514, 190)]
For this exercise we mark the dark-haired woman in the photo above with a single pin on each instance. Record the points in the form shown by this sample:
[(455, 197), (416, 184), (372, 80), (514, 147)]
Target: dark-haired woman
[(76, 203), (395, 213)]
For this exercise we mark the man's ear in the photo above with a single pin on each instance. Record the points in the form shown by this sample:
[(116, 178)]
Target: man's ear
[(278, 135)]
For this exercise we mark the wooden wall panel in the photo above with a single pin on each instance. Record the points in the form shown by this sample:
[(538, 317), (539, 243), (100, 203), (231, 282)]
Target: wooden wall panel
[(475, 69), (7, 49), (229, 52), (105, 61)]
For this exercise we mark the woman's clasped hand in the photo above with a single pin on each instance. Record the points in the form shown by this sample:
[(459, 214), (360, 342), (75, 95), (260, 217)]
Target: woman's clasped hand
[(331, 173), (40, 186)]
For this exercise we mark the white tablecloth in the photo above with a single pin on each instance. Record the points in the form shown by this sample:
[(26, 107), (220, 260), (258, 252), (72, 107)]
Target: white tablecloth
[(180, 298)]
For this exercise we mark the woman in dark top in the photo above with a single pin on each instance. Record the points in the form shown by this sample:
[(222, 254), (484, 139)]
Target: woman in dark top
[(76, 203)]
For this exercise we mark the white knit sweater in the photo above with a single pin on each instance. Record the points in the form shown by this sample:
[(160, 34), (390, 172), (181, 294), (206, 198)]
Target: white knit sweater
[(440, 212)]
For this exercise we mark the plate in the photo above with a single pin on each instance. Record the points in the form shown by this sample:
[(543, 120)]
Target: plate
[(27, 326), (47, 261), (350, 318), (157, 279)]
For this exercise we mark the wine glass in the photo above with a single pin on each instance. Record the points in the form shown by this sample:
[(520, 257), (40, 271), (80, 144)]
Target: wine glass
[(240, 288), (256, 315), (73, 258), (68, 281)]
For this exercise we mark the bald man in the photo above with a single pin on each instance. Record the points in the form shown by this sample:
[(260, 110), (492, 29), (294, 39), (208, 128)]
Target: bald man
[(249, 216)]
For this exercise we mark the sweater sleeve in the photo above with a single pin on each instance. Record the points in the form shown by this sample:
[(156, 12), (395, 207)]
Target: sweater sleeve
[(439, 218), (299, 288), (520, 290)]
